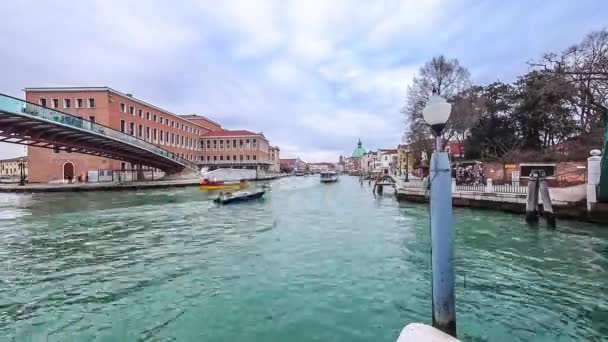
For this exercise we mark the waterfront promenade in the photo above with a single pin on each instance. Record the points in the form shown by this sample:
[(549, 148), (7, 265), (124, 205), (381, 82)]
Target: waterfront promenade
[(567, 202)]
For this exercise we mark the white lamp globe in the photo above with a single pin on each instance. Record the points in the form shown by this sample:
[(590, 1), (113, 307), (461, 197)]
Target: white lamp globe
[(436, 112)]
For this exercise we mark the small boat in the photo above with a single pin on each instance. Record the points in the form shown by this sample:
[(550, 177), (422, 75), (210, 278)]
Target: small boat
[(300, 173), (206, 184), (239, 196), (329, 177)]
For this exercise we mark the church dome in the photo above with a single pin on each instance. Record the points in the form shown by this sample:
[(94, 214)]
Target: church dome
[(359, 151)]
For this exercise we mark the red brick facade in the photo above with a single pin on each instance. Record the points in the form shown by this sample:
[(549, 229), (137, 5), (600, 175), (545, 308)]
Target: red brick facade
[(121, 112), (233, 147)]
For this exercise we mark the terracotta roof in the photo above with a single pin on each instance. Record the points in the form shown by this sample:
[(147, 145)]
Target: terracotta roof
[(229, 133), (199, 117)]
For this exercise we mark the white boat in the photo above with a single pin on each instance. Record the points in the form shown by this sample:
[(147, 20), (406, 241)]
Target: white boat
[(329, 176)]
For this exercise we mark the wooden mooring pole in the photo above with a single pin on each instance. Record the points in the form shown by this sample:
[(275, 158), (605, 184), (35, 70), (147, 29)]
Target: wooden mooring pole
[(547, 206), (532, 198), (536, 184)]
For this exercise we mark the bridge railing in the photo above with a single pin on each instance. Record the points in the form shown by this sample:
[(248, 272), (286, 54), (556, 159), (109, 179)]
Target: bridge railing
[(17, 106)]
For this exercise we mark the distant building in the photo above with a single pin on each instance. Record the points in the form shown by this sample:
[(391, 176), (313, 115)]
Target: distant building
[(320, 167), (9, 168), (121, 112), (292, 165), (353, 164), (274, 158), (235, 149), (406, 159), (387, 160), (454, 149)]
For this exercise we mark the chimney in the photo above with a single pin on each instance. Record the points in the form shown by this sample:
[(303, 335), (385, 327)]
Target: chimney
[(130, 95)]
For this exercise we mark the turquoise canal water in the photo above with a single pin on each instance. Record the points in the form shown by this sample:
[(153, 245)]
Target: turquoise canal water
[(312, 262)]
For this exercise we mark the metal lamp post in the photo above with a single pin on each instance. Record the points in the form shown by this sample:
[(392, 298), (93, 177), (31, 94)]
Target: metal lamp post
[(436, 114), (22, 172)]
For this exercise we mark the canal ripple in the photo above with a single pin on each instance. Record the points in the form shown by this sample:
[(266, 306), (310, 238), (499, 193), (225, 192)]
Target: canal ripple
[(312, 262)]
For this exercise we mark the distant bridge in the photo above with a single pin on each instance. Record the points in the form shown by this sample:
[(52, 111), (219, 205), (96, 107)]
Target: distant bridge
[(29, 124)]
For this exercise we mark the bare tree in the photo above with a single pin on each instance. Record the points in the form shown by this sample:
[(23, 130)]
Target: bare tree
[(448, 78), (585, 67)]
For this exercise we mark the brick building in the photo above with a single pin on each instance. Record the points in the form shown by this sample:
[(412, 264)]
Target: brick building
[(235, 148), (179, 134), (9, 168), (275, 158)]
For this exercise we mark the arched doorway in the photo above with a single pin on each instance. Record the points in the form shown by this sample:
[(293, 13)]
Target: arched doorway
[(68, 172)]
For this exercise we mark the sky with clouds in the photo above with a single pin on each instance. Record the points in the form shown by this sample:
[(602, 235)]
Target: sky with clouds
[(314, 76)]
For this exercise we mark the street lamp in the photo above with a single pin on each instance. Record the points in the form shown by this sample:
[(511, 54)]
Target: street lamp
[(436, 114), (22, 172)]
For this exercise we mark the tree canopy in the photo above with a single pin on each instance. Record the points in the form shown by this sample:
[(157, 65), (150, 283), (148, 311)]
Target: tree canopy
[(558, 109)]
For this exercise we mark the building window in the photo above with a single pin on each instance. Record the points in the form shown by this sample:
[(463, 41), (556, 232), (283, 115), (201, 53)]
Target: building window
[(161, 120), (155, 117), (221, 157), (172, 138), (241, 144), (154, 134), (132, 128), (234, 144), (91, 102), (208, 158), (161, 135), (42, 101), (254, 156), (122, 125), (172, 124), (67, 103), (55, 103), (234, 157), (247, 144), (78, 103), (214, 158), (131, 110), (147, 133), (147, 115), (255, 143), (247, 157), (140, 130), (166, 137), (221, 144), (208, 144), (214, 145), (182, 128), (123, 107), (241, 157), (92, 119)]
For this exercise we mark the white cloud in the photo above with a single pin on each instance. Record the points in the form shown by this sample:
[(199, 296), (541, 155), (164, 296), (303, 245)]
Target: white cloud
[(313, 74), (344, 123)]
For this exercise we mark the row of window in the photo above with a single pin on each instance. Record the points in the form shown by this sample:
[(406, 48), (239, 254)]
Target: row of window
[(212, 145), (157, 118), (155, 135), (221, 158), (67, 103)]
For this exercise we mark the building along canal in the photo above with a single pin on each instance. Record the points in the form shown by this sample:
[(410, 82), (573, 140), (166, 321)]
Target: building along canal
[(311, 262)]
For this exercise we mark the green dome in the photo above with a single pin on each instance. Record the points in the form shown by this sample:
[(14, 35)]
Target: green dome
[(359, 151)]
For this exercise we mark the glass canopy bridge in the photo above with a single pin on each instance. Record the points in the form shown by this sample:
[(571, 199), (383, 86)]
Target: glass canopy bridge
[(26, 123)]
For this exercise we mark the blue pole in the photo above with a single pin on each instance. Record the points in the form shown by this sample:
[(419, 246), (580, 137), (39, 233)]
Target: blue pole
[(442, 237)]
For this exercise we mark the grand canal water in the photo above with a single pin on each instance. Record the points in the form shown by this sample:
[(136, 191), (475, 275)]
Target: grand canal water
[(312, 262)]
